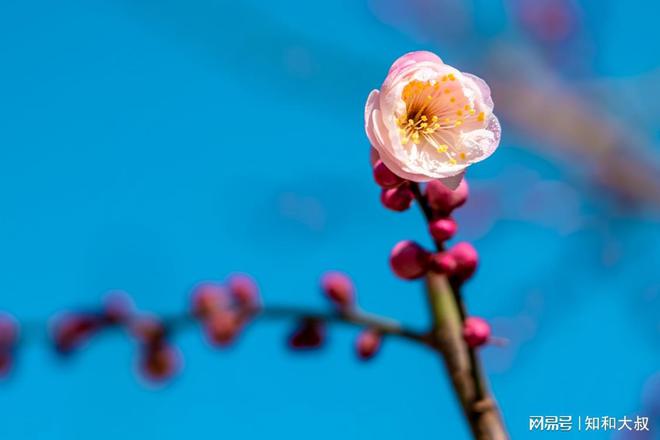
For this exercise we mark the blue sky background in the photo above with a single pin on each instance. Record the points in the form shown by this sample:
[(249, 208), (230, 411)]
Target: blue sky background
[(148, 145)]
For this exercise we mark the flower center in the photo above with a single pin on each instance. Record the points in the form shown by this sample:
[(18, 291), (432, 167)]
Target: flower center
[(434, 111)]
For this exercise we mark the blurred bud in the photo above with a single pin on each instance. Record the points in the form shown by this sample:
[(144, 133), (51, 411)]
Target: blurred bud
[(159, 362), (384, 177), (338, 288), (409, 260), (6, 363), (8, 342), (8, 332), (443, 262), (476, 331), (368, 344), (244, 290), (222, 327), (207, 298), (397, 199), (149, 330), (443, 200), (118, 308), (71, 331), (309, 334), (442, 229), (466, 258)]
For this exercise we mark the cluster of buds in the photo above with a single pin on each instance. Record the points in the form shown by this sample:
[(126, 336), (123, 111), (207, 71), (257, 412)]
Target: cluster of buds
[(410, 260), (71, 330), (158, 360), (224, 309), (310, 332)]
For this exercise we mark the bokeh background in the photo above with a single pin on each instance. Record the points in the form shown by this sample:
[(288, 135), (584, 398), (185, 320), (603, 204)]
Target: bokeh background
[(147, 145)]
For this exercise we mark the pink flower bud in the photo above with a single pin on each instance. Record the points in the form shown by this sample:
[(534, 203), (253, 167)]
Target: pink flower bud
[(443, 200), (159, 362), (397, 199), (466, 258), (409, 260), (338, 288), (368, 344), (149, 330), (117, 308), (223, 327), (8, 341), (384, 177), (244, 290), (69, 332), (207, 298), (443, 262), (309, 334), (8, 332), (476, 331), (442, 229), (6, 361)]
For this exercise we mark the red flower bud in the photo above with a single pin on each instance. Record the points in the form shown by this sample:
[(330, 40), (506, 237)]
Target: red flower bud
[(207, 298), (476, 331), (117, 308), (384, 177), (222, 327), (309, 334), (397, 199), (244, 290), (442, 229), (8, 341), (466, 258), (409, 260), (8, 332), (338, 288), (443, 262), (149, 330), (443, 200), (69, 332), (368, 344), (159, 362)]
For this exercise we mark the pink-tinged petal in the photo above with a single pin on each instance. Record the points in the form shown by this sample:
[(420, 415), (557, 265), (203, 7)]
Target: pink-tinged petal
[(482, 88), (412, 58), (372, 104), (480, 144)]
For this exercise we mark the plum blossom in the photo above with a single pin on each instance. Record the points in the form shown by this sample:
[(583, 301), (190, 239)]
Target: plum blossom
[(430, 121)]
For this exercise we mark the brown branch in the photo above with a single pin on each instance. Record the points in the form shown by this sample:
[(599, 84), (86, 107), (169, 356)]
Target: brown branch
[(354, 317), (448, 312)]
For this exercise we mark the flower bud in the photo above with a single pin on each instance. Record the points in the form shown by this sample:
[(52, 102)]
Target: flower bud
[(442, 229), (158, 362), (466, 258), (150, 331), (69, 332), (223, 327), (8, 341), (443, 200), (244, 290), (338, 288), (476, 331), (207, 298), (397, 199), (409, 260), (6, 361), (384, 177), (368, 344), (309, 334), (442, 262), (8, 332), (117, 308)]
